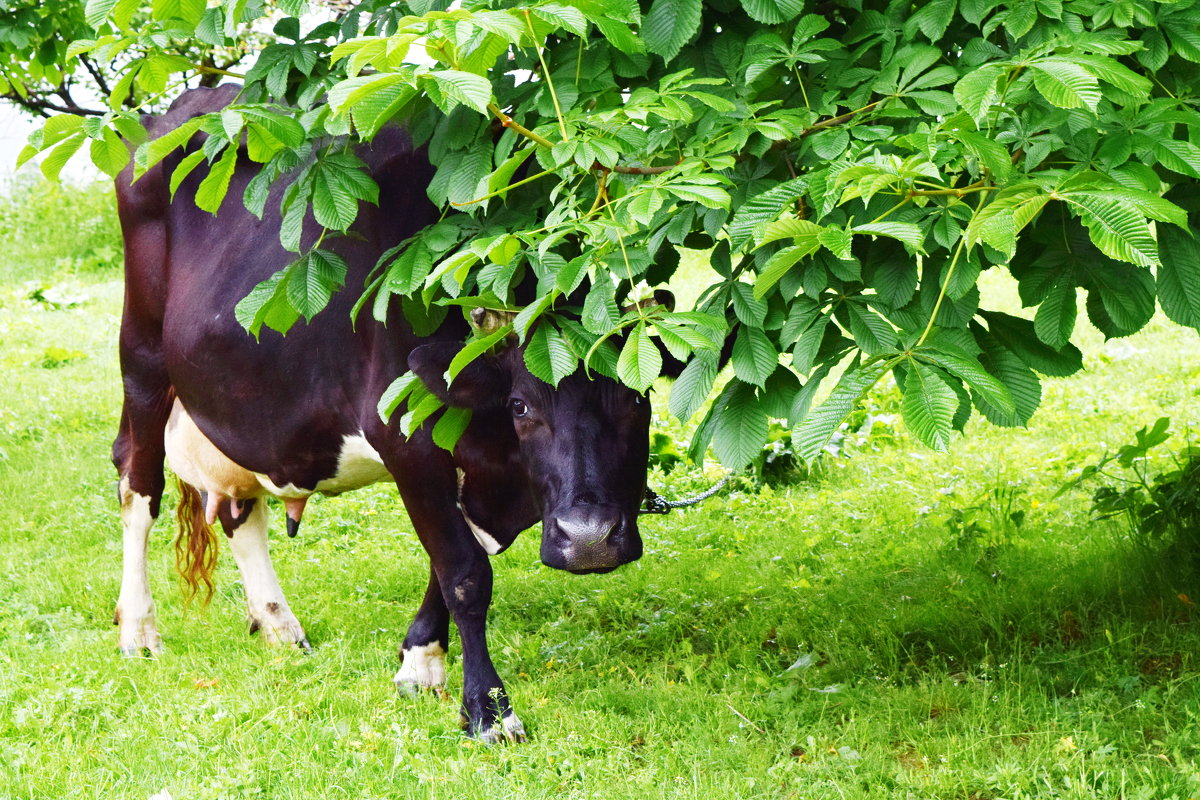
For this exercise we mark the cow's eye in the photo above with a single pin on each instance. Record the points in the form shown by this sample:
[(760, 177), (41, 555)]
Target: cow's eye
[(519, 409)]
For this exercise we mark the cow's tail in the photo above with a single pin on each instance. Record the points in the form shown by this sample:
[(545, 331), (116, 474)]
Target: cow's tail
[(195, 546)]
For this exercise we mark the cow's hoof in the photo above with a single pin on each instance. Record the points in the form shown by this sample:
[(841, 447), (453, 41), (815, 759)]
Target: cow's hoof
[(138, 637), (279, 630), (508, 730), (422, 668)]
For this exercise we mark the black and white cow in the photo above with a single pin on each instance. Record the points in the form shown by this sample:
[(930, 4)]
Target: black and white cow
[(287, 417)]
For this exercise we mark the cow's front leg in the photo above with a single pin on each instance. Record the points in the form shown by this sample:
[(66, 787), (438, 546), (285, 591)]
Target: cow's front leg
[(466, 585), (138, 631), (423, 654), (267, 608)]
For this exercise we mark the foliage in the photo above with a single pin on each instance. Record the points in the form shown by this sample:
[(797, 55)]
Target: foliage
[(853, 168), (50, 230), (1154, 506)]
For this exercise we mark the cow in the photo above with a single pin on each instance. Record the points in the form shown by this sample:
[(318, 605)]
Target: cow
[(289, 416)]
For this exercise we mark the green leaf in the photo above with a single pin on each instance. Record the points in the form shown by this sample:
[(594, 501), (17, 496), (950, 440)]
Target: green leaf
[(463, 87), (779, 264), (813, 433), (762, 208), (669, 26), (1066, 84), (547, 355), (1022, 384), (978, 91), (95, 12), (312, 280), (109, 153), (773, 12), (185, 168), (1178, 156), (156, 150), (967, 368), (267, 304), (1179, 276), (906, 232), (450, 427), (740, 430), (52, 165), (395, 393), (992, 155), (640, 361), (212, 189), (871, 332), (754, 357), (1117, 228), (473, 350), (929, 405), (708, 196), (804, 232), (1055, 319), (1019, 336), (691, 388)]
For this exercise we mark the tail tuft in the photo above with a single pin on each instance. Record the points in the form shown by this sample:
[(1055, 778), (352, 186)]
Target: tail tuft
[(195, 546)]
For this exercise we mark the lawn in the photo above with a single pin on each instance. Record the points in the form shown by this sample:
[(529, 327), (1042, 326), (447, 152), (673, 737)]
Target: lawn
[(903, 624)]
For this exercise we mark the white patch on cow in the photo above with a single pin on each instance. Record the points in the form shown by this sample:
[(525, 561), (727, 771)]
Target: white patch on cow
[(424, 667), (485, 539), (359, 464), (268, 609), (135, 607), (197, 461)]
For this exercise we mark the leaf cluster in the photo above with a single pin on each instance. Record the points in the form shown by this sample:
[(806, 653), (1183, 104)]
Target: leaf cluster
[(851, 170)]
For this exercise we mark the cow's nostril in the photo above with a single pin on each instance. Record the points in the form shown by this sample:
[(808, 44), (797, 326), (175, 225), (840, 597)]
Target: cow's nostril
[(587, 529)]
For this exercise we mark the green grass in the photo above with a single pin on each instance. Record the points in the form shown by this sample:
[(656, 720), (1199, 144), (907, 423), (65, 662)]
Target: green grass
[(1055, 660)]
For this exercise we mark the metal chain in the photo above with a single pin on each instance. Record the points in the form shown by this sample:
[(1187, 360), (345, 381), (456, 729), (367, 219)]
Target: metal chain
[(656, 504)]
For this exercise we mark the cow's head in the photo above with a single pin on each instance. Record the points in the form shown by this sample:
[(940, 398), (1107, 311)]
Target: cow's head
[(583, 448)]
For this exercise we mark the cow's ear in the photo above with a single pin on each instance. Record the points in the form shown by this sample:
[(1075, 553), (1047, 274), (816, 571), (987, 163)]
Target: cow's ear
[(482, 384)]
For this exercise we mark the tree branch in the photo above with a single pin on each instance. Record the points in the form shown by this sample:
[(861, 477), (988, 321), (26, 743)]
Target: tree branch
[(833, 122), (40, 106), (509, 122), (97, 75)]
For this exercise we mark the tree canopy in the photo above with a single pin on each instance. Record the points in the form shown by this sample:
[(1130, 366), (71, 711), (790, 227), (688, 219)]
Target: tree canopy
[(851, 167)]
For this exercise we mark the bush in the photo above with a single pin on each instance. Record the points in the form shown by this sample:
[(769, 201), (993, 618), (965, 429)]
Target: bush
[(48, 230)]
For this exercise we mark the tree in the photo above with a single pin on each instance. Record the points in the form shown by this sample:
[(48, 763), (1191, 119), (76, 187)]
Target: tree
[(851, 166), (44, 72)]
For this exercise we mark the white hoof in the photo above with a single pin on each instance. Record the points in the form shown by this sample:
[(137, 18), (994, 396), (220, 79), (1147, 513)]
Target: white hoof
[(423, 668), (278, 626), (138, 633), (508, 730)]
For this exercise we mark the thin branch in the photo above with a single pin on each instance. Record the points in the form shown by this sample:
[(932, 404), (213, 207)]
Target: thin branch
[(509, 122), (833, 122), (562, 126), (40, 106), (503, 190), (620, 170), (978, 186), (204, 69), (97, 75)]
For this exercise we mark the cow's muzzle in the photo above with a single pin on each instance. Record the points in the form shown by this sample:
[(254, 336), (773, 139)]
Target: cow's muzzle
[(589, 538)]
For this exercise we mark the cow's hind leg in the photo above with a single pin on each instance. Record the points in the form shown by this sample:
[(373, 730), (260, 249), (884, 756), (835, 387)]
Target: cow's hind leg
[(267, 608), (423, 654), (138, 455), (138, 631)]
